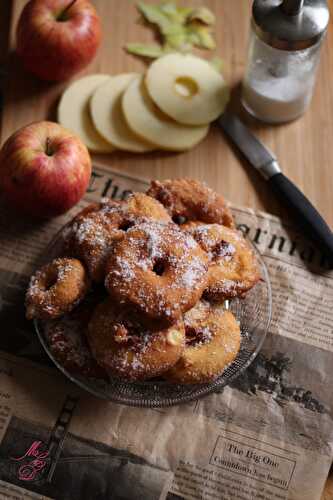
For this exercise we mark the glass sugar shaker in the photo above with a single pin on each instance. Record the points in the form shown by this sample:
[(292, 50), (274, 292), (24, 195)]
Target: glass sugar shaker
[(284, 51)]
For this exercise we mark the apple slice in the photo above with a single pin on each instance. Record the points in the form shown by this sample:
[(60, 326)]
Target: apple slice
[(108, 117), (147, 121), (187, 88), (74, 113)]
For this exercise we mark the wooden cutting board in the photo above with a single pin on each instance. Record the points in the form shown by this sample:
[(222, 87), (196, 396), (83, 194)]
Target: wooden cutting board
[(304, 147)]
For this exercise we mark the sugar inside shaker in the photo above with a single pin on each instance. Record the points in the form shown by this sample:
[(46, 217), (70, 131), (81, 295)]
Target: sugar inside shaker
[(284, 51)]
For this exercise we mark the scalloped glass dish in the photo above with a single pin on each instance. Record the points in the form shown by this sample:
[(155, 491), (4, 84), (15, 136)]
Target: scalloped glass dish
[(253, 313)]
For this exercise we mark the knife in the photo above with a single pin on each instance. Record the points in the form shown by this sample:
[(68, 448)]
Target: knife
[(267, 165)]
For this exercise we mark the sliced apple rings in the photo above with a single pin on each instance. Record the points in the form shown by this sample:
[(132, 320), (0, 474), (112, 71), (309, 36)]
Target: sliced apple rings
[(187, 88), (147, 121), (74, 114), (108, 118), (168, 108)]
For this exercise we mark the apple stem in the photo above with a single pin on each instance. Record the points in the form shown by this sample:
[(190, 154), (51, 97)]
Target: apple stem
[(63, 15), (48, 148)]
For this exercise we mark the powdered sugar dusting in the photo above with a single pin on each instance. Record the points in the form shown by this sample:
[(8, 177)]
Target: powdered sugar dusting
[(67, 343), (161, 268), (88, 229), (65, 270)]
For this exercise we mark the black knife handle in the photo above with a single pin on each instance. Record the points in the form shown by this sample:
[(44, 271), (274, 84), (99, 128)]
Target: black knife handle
[(306, 215)]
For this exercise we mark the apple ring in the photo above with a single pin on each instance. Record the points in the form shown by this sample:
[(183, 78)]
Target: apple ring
[(158, 270), (90, 236), (73, 112), (149, 123), (92, 233), (187, 88), (124, 348), (142, 205), (56, 288), (212, 342), (108, 117), (233, 267), (69, 345), (191, 200)]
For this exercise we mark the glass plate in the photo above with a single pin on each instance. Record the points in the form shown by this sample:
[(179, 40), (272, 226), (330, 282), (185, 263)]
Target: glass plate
[(253, 313)]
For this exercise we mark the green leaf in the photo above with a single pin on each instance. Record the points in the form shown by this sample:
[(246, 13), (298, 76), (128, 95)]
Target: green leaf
[(152, 51)]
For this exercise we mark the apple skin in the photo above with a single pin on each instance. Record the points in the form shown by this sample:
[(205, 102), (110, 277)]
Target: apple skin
[(44, 169), (52, 49)]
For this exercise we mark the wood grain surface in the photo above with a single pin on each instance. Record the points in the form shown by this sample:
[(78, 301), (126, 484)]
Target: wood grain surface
[(304, 147)]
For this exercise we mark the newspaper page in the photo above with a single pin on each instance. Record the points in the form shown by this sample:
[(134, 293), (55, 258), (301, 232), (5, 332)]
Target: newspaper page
[(269, 435)]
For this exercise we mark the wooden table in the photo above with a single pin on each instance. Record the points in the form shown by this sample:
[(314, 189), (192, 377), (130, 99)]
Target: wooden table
[(304, 147)]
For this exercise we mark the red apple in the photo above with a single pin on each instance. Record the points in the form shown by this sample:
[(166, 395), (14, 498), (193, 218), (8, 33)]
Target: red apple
[(44, 169), (57, 38)]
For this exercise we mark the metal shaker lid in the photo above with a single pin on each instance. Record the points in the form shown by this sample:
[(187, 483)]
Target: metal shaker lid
[(290, 24)]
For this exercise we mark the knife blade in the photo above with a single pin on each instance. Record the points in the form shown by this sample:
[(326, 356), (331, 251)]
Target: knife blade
[(264, 161)]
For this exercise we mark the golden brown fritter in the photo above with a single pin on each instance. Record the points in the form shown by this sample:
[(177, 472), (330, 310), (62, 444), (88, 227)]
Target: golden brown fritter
[(191, 200), (212, 343), (233, 267), (125, 348)]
